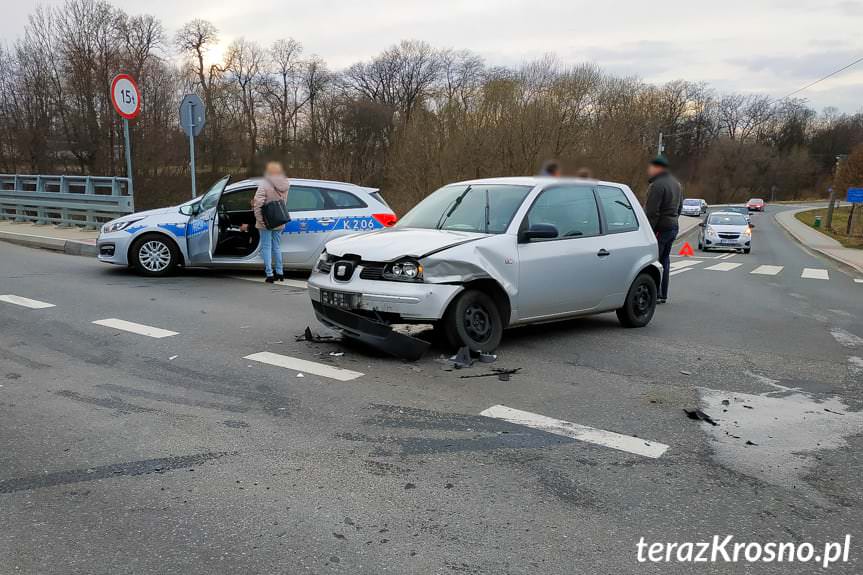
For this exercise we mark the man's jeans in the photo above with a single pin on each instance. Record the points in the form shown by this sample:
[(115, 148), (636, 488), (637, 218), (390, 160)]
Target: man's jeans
[(271, 248), (665, 239)]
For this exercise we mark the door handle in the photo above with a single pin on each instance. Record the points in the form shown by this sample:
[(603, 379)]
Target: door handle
[(326, 221), (603, 252)]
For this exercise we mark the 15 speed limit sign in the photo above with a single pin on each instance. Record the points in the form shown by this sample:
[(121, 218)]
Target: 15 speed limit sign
[(125, 96)]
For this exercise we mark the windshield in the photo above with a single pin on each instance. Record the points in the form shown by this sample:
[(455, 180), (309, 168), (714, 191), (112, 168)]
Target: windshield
[(484, 208), (691, 202), (727, 220)]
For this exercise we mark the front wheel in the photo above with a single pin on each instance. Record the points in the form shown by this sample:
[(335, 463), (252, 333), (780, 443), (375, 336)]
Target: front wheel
[(154, 255), (637, 310), (747, 250), (473, 320)]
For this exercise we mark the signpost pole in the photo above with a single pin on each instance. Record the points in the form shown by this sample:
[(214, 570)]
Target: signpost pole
[(192, 149), (129, 164)]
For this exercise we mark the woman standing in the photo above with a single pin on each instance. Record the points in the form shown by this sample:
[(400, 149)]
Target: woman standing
[(274, 187)]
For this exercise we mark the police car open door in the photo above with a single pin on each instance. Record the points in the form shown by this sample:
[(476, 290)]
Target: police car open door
[(201, 230)]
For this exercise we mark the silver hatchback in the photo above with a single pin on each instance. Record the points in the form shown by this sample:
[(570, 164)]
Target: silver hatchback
[(479, 256)]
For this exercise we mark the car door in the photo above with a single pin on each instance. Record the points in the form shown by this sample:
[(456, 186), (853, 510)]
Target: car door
[(311, 221), (201, 230), (557, 276), (623, 242)]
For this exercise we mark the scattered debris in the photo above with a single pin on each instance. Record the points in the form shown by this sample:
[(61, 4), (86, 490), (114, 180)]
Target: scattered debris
[(316, 338), (499, 372), (748, 407), (684, 372), (462, 358), (448, 486), (751, 443), (300, 375), (487, 358), (274, 342), (339, 536), (699, 415), (173, 357), (410, 486), (726, 402), (337, 353), (831, 411)]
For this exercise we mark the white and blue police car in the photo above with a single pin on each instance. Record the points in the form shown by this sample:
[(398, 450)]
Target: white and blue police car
[(208, 231)]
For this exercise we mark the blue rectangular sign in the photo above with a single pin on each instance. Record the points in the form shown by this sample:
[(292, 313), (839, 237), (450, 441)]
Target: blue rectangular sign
[(855, 196)]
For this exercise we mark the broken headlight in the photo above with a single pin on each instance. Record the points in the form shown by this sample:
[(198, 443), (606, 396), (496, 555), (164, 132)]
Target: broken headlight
[(404, 270), (324, 264)]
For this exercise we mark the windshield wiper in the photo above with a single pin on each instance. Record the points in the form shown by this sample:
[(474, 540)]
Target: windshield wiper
[(456, 203), (487, 212)]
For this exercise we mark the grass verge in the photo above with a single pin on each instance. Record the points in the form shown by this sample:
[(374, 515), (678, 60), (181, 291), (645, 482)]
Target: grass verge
[(840, 224)]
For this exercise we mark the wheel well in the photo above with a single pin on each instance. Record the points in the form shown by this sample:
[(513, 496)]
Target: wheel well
[(160, 235), (652, 272), (497, 293)]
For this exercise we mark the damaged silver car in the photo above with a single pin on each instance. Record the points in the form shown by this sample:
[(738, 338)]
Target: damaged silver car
[(477, 257)]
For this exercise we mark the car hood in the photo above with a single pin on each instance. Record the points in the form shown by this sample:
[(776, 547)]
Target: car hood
[(392, 244), (728, 229), (148, 213)]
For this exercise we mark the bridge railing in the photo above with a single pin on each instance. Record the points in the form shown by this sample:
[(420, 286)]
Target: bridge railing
[(86, 201)]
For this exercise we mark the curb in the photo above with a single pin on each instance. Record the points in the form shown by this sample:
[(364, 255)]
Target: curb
[(794, 235), (70, 247)]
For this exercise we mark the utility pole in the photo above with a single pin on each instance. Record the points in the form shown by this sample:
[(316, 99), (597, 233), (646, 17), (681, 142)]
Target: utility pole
[(832, 199), (660, 147)]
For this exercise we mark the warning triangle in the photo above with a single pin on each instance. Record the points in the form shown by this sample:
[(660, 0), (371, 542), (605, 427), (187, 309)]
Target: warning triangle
[(686, 250)]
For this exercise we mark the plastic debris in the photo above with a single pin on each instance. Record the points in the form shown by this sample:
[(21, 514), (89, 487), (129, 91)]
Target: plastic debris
[(316, 338), (499, 372), (337, 353), (173, 357), (462, 359), (699, 415), (300, 375)]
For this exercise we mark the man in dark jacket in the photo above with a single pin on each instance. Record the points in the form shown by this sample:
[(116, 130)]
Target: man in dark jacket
[(663, 206)]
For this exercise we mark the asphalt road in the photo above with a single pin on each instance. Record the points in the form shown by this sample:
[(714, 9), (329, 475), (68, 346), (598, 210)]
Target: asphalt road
[(123, 453)]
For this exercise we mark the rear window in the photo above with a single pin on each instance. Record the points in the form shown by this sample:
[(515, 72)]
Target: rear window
[(342, 199)]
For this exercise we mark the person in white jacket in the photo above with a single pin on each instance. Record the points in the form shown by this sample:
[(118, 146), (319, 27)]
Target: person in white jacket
[(273, 187)]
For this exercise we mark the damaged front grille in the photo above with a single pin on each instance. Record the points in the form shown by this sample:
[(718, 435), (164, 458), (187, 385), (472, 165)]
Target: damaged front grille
[(372, 271)]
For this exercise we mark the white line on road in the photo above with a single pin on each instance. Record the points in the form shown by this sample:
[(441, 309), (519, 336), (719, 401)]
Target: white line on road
[(580, 432), (138, 328), (680, 271), (767, 270), (684, 264), (303, 365), (287, 282), (25, 302), (815, 274), (858, 280), (723, 267)]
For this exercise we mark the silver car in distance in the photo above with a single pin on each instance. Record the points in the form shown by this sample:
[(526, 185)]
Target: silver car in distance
[(476, 257), (725, 231)]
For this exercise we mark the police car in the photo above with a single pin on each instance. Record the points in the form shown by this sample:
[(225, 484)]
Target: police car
[(209, 232)]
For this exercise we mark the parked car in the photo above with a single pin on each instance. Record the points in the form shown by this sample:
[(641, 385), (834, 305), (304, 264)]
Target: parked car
[(755, 205), (476, 257), (206, 231), (694, 207), (725, 230)]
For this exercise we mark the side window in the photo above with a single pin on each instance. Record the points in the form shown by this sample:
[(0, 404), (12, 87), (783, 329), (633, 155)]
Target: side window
[(570, 209), (304, 199), (618, 212), (239, 201), (344, 200)]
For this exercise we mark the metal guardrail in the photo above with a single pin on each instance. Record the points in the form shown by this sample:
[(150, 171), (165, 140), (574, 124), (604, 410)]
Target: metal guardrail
[(64, 200)]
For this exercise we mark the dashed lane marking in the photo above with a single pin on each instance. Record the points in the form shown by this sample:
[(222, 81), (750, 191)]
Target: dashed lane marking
[(133, 327), (767, 270), (723, 267), (680, 271), (815, 274), (285, 283), (25, 302), (576, 431), (304, 366)]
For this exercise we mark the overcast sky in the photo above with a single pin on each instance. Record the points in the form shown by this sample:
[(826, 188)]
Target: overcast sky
[(764, 46)]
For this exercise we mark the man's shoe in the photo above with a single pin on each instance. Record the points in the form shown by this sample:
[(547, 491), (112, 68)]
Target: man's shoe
[(270, 279), (661, 300), (280, 278)]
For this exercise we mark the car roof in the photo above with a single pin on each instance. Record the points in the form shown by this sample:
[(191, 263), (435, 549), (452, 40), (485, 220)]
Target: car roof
[(723, 212), (534, 181), (250, 182)]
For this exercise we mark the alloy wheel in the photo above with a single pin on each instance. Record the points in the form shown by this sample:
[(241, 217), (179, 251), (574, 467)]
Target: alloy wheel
[(154, 256)]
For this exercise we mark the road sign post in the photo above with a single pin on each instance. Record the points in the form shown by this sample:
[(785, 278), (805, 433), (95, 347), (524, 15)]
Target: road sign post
[(126, 98), (854, 197), (192, 119)]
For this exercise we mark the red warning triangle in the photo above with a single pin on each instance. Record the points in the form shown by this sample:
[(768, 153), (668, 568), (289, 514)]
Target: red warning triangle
[(686, 250)]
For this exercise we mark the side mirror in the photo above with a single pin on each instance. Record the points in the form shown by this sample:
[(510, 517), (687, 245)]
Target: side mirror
[(540, 232)]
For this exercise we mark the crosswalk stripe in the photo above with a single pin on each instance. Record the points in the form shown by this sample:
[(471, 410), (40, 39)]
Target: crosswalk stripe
[(815, 274), (723, 267), (133, 327), (304, 366), (767, 270), (680, 271), (684, 264), (610, 439), (25, 301)]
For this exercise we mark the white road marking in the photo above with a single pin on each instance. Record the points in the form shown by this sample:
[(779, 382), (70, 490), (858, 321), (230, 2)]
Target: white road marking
[(680, 271), (610, 439), (303, 365), (767, 270), (138, 328), (815, 274), (25, 302), (723, 267), (846, 338), (858, 280), (684, 264), (287, 282)]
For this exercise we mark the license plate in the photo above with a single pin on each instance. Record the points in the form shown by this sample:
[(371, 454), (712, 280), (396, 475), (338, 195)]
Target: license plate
[(727, 241), (340, 299)]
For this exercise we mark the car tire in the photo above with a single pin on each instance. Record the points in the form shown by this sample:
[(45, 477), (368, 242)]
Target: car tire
[(473, 320), (640, 303), (747, 250), (154, 255)]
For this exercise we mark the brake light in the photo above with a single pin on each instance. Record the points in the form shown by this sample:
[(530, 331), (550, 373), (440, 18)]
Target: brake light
[(386, 220)]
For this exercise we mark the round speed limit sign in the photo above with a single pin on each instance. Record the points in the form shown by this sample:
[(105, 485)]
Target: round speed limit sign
[(125, 96)]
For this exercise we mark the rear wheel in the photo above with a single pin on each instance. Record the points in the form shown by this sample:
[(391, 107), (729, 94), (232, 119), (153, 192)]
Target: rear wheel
[(637, 310), (473, 320), (154, 255)]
